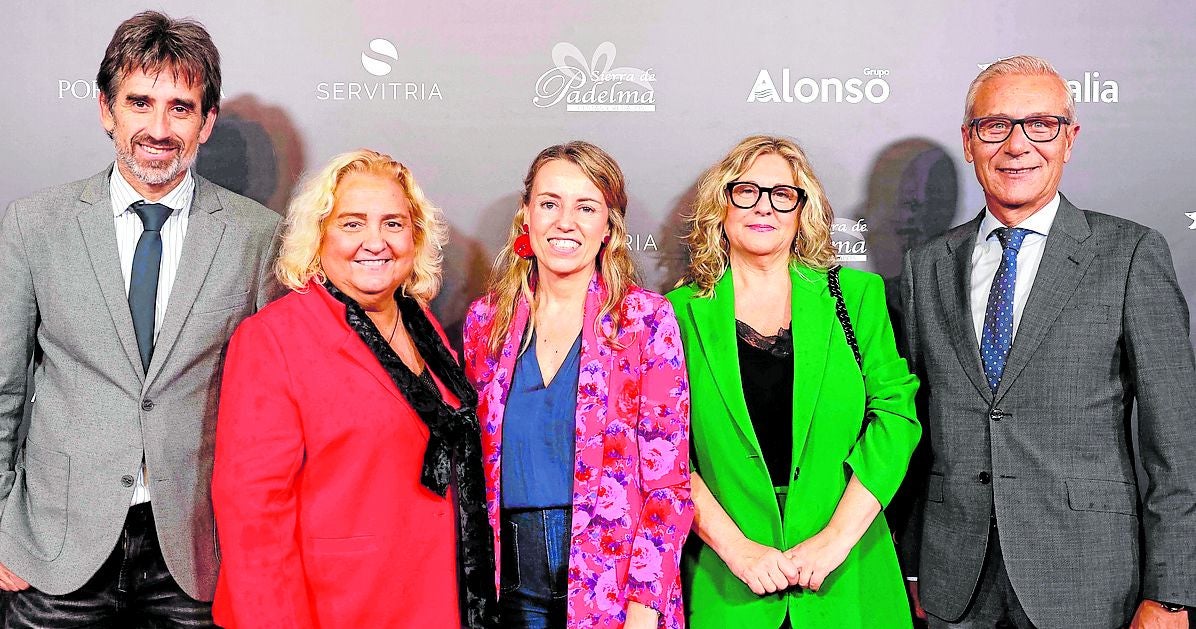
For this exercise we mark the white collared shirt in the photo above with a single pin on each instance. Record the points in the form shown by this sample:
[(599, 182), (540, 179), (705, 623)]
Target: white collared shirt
[(128, 232), (986, 258)]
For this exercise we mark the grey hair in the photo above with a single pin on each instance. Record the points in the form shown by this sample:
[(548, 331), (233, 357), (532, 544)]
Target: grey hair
[(1021, 65)]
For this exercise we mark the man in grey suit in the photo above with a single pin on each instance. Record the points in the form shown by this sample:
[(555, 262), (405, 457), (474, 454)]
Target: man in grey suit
[(122, 290), (1036, 329)]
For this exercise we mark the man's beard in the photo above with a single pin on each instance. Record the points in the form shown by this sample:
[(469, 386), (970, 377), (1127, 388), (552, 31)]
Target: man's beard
[(153, 175)]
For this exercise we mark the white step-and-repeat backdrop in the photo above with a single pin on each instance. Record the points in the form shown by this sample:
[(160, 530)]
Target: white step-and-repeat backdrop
[(466, 93)]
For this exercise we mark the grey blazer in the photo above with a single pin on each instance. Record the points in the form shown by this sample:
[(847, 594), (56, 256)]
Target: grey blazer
[(65, 488), (1105, 328)]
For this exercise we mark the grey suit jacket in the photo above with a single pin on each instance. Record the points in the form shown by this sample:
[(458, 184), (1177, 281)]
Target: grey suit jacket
[(65, 489), (1105, 327)]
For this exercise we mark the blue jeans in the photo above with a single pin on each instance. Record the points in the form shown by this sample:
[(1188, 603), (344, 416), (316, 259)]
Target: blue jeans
[(535, 568)]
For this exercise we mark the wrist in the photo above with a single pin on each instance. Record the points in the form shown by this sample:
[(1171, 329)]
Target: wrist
[(637, 609), (839, 539), (732, 549)]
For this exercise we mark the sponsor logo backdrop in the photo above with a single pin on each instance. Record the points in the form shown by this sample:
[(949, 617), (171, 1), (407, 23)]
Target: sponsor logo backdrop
[(466, 96)]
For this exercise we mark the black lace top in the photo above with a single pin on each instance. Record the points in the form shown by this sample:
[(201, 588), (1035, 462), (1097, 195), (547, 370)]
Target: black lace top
[(766, 370), (454, 453)]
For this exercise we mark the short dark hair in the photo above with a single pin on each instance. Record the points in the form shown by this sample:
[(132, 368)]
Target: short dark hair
[(153, 42)]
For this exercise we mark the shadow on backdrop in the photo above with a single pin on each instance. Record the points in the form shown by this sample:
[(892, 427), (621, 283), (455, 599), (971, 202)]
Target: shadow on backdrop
[(913, 193), (673, 258), (467, 265), (254, 151)]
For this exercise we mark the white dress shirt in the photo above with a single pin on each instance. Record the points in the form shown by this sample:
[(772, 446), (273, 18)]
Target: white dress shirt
[(128, 231), (986, 258)]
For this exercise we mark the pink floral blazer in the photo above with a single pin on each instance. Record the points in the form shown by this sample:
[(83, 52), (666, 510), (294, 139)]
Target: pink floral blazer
[(631, 503)]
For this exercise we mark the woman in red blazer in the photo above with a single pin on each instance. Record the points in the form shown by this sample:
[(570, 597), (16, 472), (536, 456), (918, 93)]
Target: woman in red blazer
[(348, 484)]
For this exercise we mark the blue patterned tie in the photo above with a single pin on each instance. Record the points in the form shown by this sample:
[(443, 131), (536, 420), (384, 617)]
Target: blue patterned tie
[(997, 335), (143, 280)]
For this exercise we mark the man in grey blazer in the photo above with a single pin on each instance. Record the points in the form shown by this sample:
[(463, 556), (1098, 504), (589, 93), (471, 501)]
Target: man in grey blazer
[(1036, 329), (122, 290)]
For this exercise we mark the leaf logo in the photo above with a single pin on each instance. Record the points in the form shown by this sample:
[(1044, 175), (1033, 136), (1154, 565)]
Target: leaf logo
[(382, 48), (599, 68)]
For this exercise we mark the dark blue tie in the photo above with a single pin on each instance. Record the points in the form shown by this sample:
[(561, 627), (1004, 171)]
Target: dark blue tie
[(997, 334), (143, 280)]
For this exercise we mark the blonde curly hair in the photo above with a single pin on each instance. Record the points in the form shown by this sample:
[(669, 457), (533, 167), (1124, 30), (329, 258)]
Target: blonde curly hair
[(706, 237), (307, 221)]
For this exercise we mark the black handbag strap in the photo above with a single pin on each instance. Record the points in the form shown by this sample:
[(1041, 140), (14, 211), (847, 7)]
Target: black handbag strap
[(832, 280)]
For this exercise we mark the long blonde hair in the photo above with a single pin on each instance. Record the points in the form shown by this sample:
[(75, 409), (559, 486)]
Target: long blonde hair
[(706, 238), (512, 276), (307, 218)]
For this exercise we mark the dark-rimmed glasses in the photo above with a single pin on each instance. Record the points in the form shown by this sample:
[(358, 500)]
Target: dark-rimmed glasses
[(745, 194), (994, 129)]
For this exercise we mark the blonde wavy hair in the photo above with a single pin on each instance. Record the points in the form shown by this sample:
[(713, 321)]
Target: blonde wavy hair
[(706, 237), (513, 276), (308, 214)]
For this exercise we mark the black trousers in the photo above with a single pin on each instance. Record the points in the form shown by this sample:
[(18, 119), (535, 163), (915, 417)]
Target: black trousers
[(132, 589)]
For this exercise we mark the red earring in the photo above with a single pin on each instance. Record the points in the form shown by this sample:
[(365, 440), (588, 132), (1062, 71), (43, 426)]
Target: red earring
[(606, 239), (523, 245)]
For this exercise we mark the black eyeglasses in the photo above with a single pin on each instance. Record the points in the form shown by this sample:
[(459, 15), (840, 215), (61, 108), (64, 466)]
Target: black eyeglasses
[(994, 129), (745, 195)]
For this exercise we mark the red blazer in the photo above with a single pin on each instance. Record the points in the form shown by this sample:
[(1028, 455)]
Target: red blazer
[(321, 516)]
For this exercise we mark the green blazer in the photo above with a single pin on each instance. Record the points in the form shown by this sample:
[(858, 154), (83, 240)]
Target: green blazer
[(830, 398)]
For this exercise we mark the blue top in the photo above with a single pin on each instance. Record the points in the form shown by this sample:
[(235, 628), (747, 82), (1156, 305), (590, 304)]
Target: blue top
[(537, 433)]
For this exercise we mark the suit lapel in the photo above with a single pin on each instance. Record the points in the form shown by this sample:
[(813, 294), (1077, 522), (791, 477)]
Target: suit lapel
[(351, 346), (714, 320), (955, 291), (204, 231), (813, 310), (493, 396), (1064, 261), (595, 363), (593, 388), (94, 213)]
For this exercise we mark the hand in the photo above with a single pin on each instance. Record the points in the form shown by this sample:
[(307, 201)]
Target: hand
[(917, 602), (762, 568), (640, 616), (10, 582), (816, 558), (1151, 615)]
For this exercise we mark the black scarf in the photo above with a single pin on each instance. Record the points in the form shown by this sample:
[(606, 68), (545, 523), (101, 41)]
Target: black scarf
[(454, 447)]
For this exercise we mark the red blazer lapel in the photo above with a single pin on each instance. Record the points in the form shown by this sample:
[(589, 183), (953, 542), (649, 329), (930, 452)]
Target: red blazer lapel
[(349, 344)]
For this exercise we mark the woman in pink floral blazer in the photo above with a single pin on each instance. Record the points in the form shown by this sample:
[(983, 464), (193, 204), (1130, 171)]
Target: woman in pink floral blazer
[(613, 499)]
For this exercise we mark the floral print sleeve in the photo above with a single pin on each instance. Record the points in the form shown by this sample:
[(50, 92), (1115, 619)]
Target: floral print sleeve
[(631, 496), (663, 436)]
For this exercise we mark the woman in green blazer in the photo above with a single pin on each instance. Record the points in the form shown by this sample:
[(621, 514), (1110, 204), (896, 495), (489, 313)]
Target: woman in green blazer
[(796, 447)]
